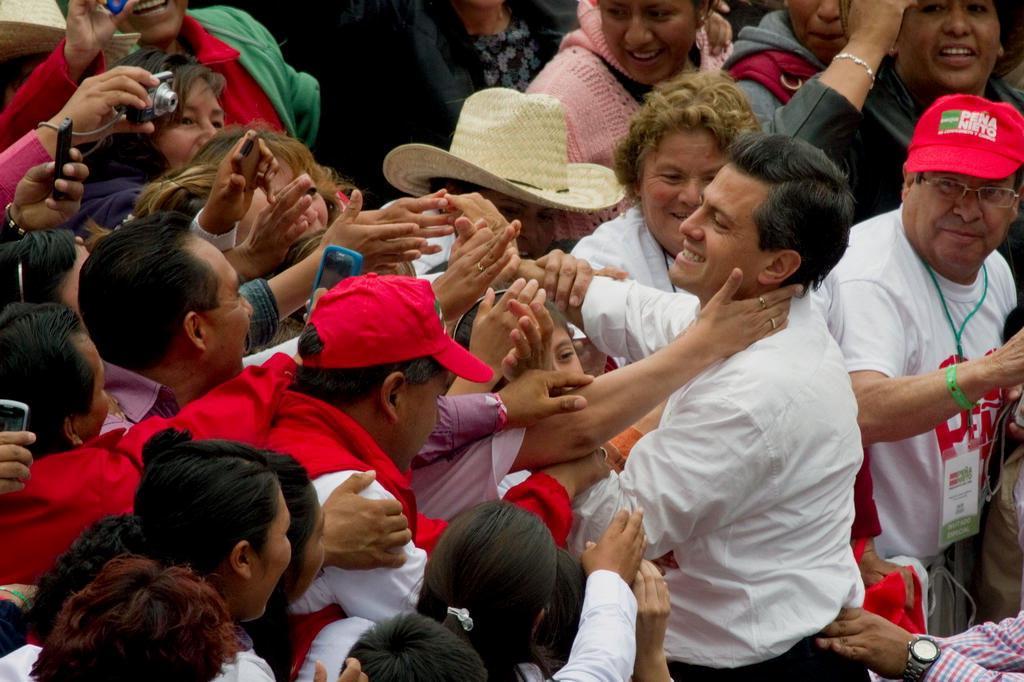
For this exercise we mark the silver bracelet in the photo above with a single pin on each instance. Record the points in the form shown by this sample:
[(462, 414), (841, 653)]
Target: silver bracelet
[(859, 62)]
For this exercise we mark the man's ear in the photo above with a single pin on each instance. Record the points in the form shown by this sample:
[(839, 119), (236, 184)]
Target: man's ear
[(70, 433), (908, 182), (389, 399), (780, 268), (240, 560), (195, 329)]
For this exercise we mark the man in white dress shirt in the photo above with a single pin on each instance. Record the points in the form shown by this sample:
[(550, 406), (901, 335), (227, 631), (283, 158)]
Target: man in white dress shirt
[(748, 480)]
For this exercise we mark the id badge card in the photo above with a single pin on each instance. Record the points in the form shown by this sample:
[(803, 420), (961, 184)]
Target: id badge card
[(961, 490)]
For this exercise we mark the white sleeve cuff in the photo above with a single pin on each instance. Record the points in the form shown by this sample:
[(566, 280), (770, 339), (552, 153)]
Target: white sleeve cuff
[(223, 242)]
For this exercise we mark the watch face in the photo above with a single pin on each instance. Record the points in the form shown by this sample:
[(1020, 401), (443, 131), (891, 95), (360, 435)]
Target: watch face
[(924, 650)]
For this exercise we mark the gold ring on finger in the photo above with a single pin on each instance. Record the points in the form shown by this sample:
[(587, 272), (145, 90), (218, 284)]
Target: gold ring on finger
[(774, 326), (764, 304), (480, 266)]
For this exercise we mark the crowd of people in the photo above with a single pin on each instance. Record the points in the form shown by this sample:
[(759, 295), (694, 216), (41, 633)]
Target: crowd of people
[(603, 340)]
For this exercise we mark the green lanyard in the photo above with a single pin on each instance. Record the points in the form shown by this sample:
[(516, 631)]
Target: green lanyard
[(958, 334)]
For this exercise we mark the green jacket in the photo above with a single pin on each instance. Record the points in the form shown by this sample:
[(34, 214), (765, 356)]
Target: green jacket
[(295, 95)]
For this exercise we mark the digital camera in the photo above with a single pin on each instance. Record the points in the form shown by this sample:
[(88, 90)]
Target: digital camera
[(163, 100)]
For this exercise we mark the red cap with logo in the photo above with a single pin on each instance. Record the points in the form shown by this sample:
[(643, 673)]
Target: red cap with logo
[(968, 135), (373, 320)]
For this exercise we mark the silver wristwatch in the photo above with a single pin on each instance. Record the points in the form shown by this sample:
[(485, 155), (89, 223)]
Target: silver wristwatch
[(922, 651)]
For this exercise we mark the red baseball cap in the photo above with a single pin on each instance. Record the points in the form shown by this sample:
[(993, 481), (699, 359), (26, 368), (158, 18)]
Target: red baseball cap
[(968, 135), (372, 320)]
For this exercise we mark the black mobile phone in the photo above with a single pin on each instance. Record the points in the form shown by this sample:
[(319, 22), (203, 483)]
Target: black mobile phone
[(13, 415), (250, 159), (63, 155)]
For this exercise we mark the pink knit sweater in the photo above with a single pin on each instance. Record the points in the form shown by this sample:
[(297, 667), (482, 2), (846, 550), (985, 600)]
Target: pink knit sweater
[(597, 107)]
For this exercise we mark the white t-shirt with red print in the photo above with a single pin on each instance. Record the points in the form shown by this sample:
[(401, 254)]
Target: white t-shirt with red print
[(888, 317)]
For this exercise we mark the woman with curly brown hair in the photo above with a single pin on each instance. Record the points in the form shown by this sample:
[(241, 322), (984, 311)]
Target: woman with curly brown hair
[(674, 148), (140, 620)]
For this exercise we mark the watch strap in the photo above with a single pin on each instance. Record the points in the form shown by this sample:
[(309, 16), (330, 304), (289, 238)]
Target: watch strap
[(916, 668)]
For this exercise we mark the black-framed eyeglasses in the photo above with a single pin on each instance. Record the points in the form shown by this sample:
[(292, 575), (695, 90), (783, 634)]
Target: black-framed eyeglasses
[(996, 197)]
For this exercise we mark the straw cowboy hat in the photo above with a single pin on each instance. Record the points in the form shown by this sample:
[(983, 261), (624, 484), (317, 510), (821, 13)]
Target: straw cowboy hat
[(511, 143), (37, 26), (1011, 32)]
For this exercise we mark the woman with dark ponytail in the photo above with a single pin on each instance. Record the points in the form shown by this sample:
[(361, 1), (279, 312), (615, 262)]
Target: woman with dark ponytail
[(217, 507), (492, 577)]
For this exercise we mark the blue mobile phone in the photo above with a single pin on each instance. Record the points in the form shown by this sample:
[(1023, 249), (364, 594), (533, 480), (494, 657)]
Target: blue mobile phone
[(115, 6), (337, 264)]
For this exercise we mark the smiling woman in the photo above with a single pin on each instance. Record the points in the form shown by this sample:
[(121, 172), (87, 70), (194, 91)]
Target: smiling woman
[(119, 171), (622, 49), (674, 148), (933, 48)]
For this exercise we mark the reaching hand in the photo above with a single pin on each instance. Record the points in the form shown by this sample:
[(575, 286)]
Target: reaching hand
[(361, 533), (99, 99), (620, 549), (89, 29), (15, 460), (875, 24), (472, 269), (727, 326), (231, 193), (873, 569), (491, 337), (652, 609), (34, 207), (531, 339), (474, 207), (719, 30), (353, 672), (381, 245), (869, 639), (425, 211), (273, 232), (537, 395)]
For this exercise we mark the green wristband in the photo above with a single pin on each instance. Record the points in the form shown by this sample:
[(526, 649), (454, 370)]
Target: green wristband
[(955, 391), (26, 603)]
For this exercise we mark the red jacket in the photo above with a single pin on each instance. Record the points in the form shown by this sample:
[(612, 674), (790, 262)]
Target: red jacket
[(326, 440), (71, 490), (49, 87)]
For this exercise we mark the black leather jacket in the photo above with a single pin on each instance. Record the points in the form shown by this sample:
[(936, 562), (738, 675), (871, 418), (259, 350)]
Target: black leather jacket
[(398, 71)]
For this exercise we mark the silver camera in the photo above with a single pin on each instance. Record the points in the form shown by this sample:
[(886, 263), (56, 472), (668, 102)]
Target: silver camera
[(163, 100)]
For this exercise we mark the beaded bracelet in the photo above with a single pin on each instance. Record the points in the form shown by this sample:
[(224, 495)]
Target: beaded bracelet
[(859, 62)]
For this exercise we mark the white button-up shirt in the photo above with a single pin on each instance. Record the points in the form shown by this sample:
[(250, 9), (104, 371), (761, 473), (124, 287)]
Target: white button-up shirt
[(748, 480)]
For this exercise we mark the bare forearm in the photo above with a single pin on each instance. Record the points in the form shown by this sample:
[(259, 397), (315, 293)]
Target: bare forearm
[(292, 287), (892, 409), (617, 400)]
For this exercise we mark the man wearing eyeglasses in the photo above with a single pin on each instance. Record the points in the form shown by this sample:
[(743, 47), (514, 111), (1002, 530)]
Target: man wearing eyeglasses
[(918, 307)]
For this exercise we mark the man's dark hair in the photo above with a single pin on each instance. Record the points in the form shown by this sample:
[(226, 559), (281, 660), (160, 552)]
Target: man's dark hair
[(137, 287), (342, 386), (809, 208), (42, 366), (414, 647)]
